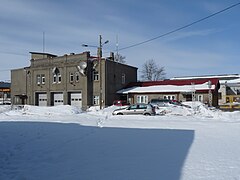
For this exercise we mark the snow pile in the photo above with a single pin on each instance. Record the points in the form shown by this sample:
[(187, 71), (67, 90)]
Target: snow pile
[(197, 109), (203, 110), (46, 111), (5, 108), (190, 109)]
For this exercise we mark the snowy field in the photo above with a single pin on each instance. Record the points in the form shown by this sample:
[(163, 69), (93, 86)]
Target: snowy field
[(64, 143)]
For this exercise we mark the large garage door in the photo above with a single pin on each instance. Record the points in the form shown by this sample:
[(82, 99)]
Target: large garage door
[(42, 99), (76, 99), (57, 99)]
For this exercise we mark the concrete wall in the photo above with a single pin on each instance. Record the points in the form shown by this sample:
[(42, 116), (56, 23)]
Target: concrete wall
[(24, 81), (113, 79)]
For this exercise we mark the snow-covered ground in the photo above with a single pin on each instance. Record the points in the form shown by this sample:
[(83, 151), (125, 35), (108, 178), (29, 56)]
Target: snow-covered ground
[(65, 143)]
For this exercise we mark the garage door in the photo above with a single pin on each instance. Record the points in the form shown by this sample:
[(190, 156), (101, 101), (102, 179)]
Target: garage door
[(76, 99), (57, 99), (42, 99)]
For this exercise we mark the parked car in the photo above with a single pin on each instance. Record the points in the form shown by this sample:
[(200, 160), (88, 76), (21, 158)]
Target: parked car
[(177, 103), (145, 109), (5, 103), (160, 102), (120, 103)]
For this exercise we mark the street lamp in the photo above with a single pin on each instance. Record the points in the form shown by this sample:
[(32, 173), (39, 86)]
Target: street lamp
[(100, 65)]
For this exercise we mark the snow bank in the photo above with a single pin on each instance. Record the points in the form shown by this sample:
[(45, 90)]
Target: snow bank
[(46, 111), (198, 111), (4, 108)]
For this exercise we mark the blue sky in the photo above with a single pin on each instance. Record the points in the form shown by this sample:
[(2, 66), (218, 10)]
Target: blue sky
[(209, 47)]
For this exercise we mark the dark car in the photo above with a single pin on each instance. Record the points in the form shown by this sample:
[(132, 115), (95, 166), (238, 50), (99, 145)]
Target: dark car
[(120, 103), (145, 109), (160, 102)]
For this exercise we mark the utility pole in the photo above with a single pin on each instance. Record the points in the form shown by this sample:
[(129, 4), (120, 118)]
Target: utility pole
[(100, 70), (99, 54)]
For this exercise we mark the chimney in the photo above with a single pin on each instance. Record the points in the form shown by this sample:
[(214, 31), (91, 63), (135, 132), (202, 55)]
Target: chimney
[(112, 56)]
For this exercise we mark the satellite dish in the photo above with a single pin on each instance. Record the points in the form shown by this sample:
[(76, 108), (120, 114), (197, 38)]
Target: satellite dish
[(95, 63), (81, 68), (83, 65)]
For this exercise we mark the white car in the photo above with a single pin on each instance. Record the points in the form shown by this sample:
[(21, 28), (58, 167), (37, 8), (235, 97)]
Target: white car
[(145, 109)]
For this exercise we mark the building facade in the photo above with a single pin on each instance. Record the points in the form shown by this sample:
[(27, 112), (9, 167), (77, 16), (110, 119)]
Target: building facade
[(203, 90), (5, 93), (75, 79), (229, 90)]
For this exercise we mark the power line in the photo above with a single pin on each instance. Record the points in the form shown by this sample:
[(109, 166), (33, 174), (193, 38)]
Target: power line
[(181, 28), (12, 53)]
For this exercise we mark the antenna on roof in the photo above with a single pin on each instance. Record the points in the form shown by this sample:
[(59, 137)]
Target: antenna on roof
[(117, 56), (43, 42)]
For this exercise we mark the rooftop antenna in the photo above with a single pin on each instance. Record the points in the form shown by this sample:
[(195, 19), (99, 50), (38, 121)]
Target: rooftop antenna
[(43, 42), (117, 57)]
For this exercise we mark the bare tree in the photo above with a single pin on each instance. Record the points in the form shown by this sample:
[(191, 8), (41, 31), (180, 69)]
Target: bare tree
[(119, 58), (152, 72)]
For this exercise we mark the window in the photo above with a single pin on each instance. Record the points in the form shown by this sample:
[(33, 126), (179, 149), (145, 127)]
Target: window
[(77, 76), (38, 79), (133, 107), (71, 77), (169, 97), (200, 98), (95, 100), (142, 99), (141, 106), (123, 78), (54, 78), (59, 78), (95, 75), (43, 78)]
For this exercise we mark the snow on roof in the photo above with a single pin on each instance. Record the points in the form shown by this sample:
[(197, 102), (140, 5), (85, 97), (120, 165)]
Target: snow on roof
[(207, 76), (167, 88), (233, 81)]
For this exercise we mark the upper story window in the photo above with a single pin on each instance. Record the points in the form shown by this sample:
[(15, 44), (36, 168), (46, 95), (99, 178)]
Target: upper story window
[(43, 78), (40, 79), (123, 78), (77, 76), (71, 77), (57, 78), (95, 75), (54, 78)]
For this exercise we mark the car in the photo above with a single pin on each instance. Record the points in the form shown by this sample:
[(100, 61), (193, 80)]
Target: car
[(145, 109), (5, 103), (160, 102), (120, 103)]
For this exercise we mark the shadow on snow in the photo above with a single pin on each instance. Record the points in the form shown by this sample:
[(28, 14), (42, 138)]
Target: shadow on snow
[(70, 151)]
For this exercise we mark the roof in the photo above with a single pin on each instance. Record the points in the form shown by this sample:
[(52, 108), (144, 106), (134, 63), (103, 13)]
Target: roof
[(5, 85), (232, 82), (221, 77), (41, 53), (167, 86), (174, 82)]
